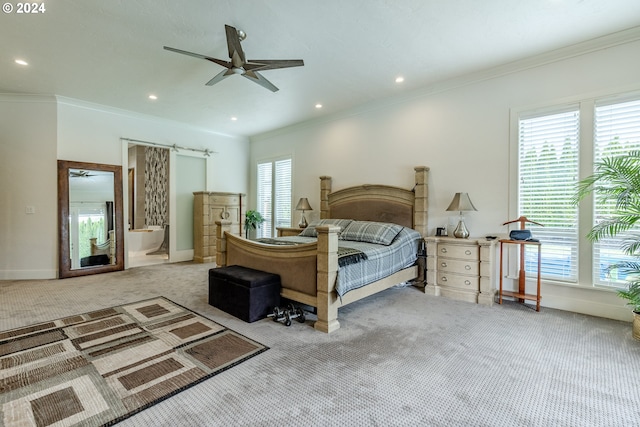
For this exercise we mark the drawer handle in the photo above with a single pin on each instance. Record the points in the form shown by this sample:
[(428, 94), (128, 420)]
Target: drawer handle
[(467, 267), (443, 264), (466, 282), (443, 250), (444, 278), (467, 252)]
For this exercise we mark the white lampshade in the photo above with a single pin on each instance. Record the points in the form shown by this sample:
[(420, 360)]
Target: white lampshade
[(461, 202), (303, 205)]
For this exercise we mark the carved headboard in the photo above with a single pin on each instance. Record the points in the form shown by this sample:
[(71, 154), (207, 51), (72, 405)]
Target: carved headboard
[(382, 203)]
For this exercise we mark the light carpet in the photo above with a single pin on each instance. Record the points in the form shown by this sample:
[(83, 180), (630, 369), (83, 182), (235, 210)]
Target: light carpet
[(101, 367), (400, 358)]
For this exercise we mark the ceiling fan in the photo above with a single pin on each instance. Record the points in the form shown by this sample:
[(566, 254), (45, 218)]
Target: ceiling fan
[(239, 65), (79, 174)]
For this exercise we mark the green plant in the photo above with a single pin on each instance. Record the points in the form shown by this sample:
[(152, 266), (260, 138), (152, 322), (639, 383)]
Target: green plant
[(617, 179), (252, 221), (632, 292)]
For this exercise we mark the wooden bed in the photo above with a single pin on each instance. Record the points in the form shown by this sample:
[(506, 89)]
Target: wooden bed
[(308, 271)]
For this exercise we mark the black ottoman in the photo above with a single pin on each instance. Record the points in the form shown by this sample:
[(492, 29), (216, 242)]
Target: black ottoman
[(243, 292)]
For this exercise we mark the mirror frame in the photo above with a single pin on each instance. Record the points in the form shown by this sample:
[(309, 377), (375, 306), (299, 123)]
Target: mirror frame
[(64, 261)]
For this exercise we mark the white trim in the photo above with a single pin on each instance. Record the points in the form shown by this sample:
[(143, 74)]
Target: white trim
[(28, 274)]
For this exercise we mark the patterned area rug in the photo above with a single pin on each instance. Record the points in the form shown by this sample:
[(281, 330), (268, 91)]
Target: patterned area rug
[(99, 368)]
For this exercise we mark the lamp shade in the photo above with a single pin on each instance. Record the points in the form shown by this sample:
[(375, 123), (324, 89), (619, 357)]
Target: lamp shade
[(303, 205), (461, 202)]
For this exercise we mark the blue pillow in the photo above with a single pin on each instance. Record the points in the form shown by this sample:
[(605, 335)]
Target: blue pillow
[(381, 233)]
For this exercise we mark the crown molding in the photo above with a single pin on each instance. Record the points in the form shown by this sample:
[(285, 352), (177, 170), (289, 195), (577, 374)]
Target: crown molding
[(27, 97), (593, 45)]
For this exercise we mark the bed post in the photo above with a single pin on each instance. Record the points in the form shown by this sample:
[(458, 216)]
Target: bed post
[(421, 204), (327, 299), (221, 241), (325, 189)]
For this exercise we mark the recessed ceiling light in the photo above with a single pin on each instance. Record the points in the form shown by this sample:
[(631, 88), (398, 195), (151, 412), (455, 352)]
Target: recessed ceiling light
[(153, 97), (21, 62), (234, 118), (318, 105), (399, 79)]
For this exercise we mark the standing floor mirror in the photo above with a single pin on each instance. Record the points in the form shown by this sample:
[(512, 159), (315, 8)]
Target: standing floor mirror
[(90, 219)]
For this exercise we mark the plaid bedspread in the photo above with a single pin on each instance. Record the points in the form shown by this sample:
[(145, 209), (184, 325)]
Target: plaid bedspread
[(381, 261), (378, 262), (346, 255)]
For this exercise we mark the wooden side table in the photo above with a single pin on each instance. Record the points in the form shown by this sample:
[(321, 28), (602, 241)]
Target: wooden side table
[(521, 294)]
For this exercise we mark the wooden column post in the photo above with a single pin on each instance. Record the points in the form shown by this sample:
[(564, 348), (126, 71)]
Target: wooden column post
[(222, 226), (327, 299), (420, 213), (325, 189)]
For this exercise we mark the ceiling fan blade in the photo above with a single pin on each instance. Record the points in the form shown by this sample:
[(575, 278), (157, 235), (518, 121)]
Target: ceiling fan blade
[(235, 49), (272, 64), (226, 64), (219, 77), (259, 78), (184, 52)]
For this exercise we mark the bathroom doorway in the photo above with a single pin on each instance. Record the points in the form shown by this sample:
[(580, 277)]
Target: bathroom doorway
[(148, 180)]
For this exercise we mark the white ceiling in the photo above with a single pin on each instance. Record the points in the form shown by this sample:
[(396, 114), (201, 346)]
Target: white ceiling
[(110, 52)]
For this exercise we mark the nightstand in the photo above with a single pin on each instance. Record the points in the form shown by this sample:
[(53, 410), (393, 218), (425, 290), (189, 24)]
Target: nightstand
[(462, 269), (288, 231)]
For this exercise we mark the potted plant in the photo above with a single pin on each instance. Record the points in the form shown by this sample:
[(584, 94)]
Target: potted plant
[(617, 179), (252, 221)]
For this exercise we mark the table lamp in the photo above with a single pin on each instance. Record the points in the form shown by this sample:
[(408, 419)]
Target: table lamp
[(303, 205), (461, 202)]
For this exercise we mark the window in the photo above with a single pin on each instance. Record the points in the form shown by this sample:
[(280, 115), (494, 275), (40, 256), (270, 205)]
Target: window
[(616, 132), (548, 171), (274, 195), (551, 147)]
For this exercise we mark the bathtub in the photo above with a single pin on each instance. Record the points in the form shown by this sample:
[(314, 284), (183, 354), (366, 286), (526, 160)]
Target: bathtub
[(145, 240)]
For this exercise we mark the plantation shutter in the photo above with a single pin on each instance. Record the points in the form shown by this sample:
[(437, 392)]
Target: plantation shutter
[(274, 195), (282, 207), (547, 173), (617, 131), (264, 198)]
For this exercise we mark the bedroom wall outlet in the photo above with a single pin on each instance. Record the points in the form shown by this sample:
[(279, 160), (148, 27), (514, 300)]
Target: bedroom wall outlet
[(30, 210)]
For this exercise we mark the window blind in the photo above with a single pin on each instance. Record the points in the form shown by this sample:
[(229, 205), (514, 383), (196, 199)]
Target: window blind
[(282, 206), (616, 132), (274, 195), (264, 198), (547, 173)]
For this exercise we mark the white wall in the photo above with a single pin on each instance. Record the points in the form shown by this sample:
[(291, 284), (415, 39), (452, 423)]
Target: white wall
[(28, 177), (36, 131), (91, 133), (461, 130)]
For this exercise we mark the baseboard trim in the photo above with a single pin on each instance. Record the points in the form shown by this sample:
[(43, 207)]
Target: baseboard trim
[(28, 274)]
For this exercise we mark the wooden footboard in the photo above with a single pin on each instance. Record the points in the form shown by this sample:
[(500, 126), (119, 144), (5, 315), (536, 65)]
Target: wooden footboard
[(307, 271)]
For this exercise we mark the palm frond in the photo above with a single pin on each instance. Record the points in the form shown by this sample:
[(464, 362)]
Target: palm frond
[(615, 179)]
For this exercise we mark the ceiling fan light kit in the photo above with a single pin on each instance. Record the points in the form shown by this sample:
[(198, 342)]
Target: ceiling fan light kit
[(239, 64)]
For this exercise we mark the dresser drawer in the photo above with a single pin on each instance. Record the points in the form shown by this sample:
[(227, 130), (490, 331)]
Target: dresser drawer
[(458, 266), (224, 199), (458, 281), (469, 252)]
